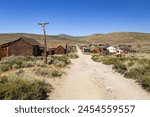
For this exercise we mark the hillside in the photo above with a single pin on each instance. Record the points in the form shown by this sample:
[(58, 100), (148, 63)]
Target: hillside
[(51, 40), (140, 41)]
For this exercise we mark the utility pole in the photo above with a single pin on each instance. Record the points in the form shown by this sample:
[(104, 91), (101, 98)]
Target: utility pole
[(43, 24)]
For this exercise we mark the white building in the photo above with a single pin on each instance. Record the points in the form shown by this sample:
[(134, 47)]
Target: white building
[(111, 49)]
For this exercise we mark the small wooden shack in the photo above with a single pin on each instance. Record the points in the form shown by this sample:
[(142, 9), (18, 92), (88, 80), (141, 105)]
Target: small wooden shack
[(22, 46), (95, 50), (57, 50)]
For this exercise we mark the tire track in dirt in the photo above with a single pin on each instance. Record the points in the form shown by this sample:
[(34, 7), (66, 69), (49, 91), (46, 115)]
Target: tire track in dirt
[(90, 80)]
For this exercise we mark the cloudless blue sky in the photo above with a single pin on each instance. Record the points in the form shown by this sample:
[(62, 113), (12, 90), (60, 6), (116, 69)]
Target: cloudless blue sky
[(75, 17)]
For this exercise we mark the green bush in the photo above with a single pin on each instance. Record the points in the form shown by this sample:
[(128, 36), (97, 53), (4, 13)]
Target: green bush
[(20, 72), (50, 60), (16, 66), (27, 64), (145, 82), (60, 61), (43, 72), (109, 60), (15, 62), (134, 73), (40, 63), (56, 73), (48, 72), (4, 68), (73, 55), (64, 58), (131, 66), (131, 63), (119, 67), (18, 88), (97, 58)]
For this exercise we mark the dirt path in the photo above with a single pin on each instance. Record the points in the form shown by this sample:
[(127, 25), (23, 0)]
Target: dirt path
[(87, 79)]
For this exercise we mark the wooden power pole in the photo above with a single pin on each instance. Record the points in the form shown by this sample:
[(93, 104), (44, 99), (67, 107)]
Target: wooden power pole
[(45, 43)]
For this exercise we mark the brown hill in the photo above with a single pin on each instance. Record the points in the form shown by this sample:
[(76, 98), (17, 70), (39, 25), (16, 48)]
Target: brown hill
[(51, 40), (140, 41)]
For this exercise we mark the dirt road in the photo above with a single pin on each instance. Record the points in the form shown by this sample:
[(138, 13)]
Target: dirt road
[(90, 80)]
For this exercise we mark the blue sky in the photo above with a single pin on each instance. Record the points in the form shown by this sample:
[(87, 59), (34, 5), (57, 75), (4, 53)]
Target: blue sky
[(75, 17)]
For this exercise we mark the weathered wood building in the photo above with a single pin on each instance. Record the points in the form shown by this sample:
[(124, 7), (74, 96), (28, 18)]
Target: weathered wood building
[(57, 50), (23, 46), (95, 50)]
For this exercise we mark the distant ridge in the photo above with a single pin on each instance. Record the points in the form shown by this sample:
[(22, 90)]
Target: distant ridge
[(51, 39), (136, 39)]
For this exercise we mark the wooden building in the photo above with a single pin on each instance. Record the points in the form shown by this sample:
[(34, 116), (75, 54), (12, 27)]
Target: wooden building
[(57, 50), (23, 46), (95, 50)]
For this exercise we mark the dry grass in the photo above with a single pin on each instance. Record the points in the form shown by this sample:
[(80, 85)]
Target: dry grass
[(28, 78), (51, 40), (135, 67), (140, 41), (21, 86)]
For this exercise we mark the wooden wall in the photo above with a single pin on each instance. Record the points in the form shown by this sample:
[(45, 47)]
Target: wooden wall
[(20, 48)]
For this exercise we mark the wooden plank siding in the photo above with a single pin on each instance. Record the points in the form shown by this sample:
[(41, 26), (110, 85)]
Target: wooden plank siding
[(57, 50), (20, 47)]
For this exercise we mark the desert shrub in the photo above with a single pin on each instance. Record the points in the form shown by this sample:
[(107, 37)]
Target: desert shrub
[(144, 61), (131, 66), (73, 55), (13, 60), (3, 79), (48, 72), (60, 61), (18, 88), (27, 64), (97, 58), (4, 67), (131, 63), (42, 72), (64, 58), (50, 60), (145, 81), (109, 60), (16, 62), (56, 73), (134, 73), (40, 63), (20, 72), (119, 67), (16, 66)]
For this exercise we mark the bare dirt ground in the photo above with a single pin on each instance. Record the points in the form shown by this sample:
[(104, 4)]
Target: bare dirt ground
[(90, 80)]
